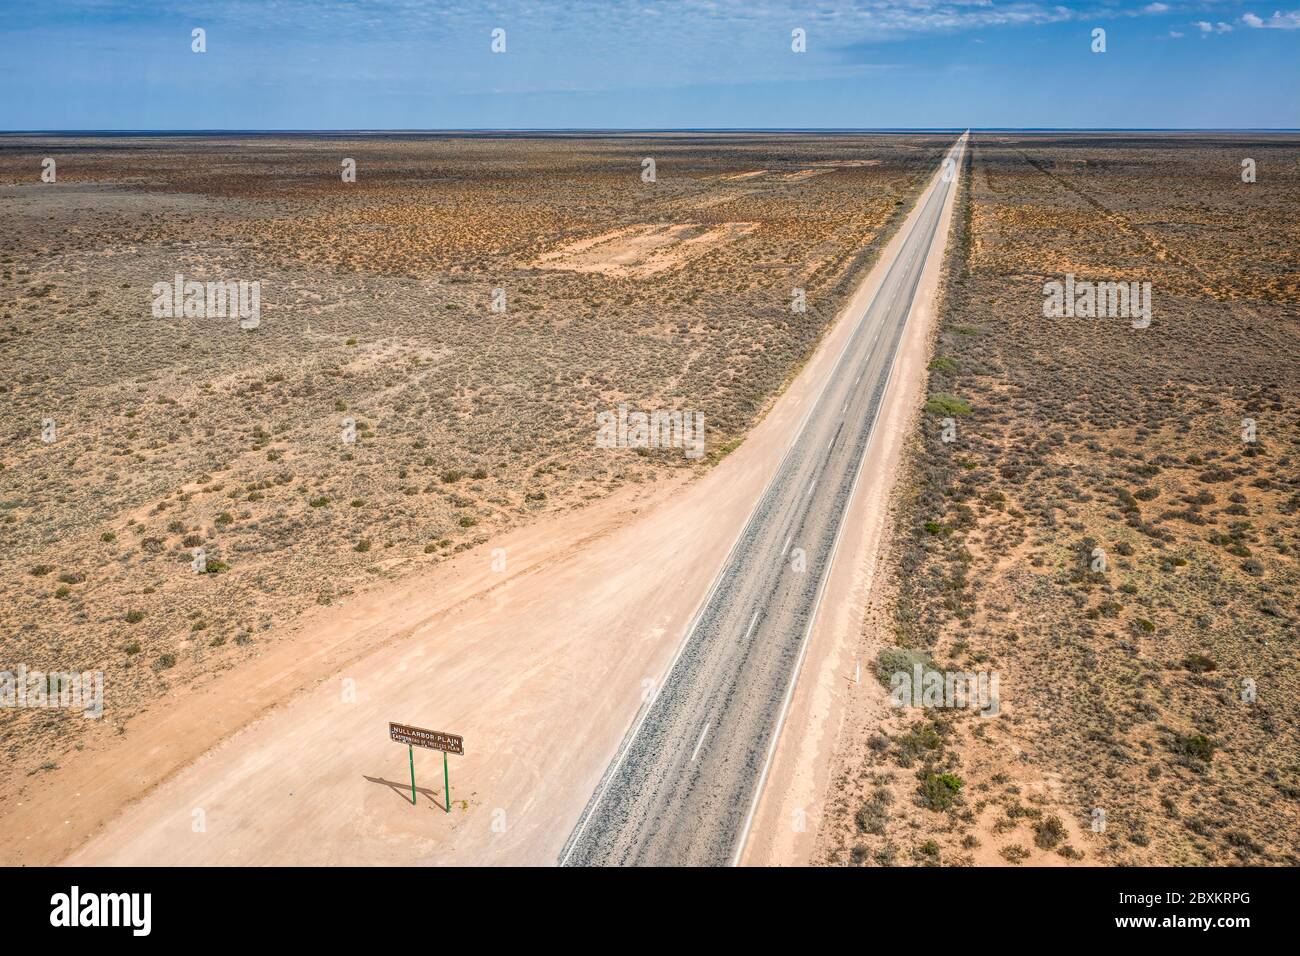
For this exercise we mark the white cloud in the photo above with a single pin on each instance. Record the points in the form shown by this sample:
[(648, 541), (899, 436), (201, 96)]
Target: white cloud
[(1155, 8), (1278, 21), (1175, 34), (1207, 28)]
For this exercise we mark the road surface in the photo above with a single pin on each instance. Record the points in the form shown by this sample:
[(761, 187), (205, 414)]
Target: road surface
[(683, 787)]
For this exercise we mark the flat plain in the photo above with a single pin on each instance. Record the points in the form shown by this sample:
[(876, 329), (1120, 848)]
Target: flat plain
[(1113, 530), (1146, 703), (172, 434)]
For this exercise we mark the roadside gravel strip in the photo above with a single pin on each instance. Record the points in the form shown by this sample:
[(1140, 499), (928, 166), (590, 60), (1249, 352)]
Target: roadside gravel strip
[(682, 788)]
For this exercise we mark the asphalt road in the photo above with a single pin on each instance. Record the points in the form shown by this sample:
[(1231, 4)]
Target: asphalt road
[(683, 786)]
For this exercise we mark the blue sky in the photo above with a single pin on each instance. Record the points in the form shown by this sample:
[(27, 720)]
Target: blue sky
[(404, 64)]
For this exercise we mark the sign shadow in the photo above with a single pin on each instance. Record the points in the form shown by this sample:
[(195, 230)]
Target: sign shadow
[(403, 790)]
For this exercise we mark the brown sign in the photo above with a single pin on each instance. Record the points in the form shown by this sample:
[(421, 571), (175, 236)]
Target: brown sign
[(431, 739)]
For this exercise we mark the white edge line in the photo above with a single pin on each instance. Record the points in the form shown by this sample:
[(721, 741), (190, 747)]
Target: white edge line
[(613, 769), (821, 591)]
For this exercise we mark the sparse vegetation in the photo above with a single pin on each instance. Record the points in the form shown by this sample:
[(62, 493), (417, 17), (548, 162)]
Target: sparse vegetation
[(464, 428), (1138, 679)]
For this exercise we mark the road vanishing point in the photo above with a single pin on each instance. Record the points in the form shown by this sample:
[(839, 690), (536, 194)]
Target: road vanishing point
[(685, 782)]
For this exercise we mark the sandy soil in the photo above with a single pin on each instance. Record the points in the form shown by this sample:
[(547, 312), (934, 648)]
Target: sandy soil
[(801, 174), (642, 251), (289, 762)]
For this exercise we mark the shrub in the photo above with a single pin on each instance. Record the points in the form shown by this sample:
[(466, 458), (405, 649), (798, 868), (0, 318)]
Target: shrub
[(891, 660), (939, 790), (1048, 832), (944, 404), (923, 736), (1015, 853), (871, 818), (1195, 747)]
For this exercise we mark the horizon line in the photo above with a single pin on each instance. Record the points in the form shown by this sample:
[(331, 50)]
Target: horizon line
[(645, 129)]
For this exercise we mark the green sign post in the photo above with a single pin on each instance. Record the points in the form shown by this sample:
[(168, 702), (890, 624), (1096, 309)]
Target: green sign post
[(410, 752), (433, 740)]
